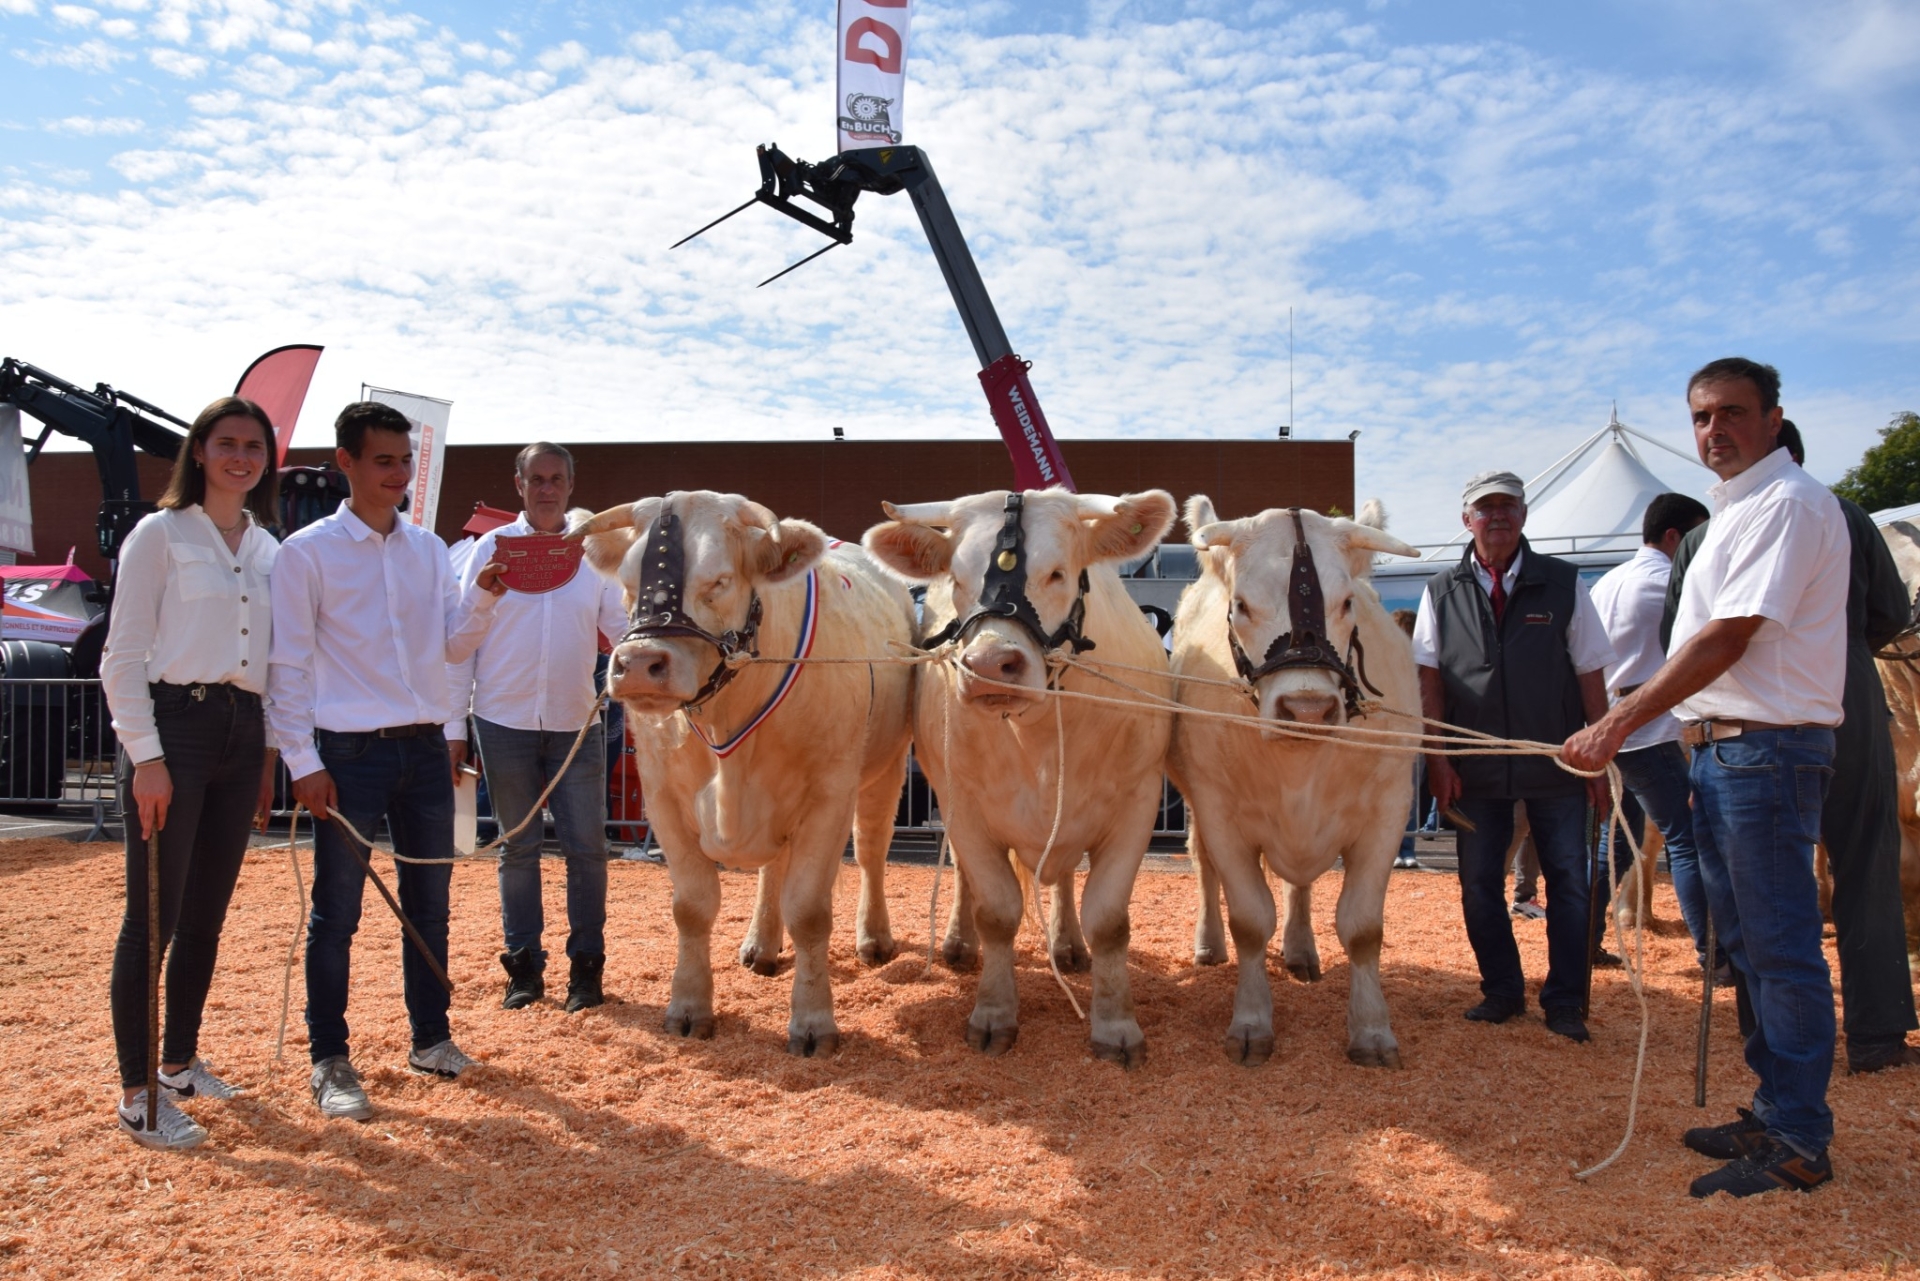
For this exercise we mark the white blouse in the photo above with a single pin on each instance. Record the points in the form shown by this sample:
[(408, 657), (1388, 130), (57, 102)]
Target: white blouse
[(186, 611)]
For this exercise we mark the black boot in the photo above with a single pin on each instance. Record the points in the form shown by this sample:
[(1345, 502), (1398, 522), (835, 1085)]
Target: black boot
[(525, 983), (583, 982)]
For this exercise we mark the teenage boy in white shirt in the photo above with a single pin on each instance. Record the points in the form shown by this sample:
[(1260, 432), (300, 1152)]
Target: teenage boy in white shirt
[(367, 614)]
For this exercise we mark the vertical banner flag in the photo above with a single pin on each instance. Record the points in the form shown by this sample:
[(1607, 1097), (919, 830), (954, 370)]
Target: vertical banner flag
[(428, 417), (277, 382), (16, 505), (873, 73)]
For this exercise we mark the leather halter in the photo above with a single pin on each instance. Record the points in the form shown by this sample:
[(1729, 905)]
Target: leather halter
[(1306, 643), (1003, 594), (663, 579)]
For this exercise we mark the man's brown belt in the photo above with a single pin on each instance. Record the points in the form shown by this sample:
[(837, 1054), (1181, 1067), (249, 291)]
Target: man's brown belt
[(1701, 733)]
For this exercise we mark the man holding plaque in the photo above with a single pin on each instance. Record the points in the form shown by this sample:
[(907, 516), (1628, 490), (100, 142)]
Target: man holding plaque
[(530, 687)]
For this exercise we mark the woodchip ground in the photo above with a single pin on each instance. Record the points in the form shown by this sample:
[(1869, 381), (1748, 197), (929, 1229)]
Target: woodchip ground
[(594, 1145)]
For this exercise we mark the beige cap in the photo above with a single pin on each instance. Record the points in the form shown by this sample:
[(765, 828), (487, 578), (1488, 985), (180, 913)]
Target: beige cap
[(1493, 482)]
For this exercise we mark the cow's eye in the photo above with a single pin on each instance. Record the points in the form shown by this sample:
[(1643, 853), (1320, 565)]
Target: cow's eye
[(1240, 605), (1057, 576)]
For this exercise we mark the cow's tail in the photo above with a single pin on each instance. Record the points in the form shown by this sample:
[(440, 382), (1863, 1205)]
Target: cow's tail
[(1028, 895)]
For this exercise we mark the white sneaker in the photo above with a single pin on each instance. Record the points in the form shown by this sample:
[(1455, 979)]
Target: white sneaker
[(444, 1059), (197, 1081), (336, 1090), (173, 1130)]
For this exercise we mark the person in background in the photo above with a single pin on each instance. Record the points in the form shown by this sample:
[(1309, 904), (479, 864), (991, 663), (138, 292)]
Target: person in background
[(1507, 643), (1860, 823), (1629, 599), (184, 671), (530, 685), (1756, 674), (366, 616), (1406, 858)]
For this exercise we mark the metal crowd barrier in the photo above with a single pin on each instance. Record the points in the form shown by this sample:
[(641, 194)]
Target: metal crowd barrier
[(56, 748)]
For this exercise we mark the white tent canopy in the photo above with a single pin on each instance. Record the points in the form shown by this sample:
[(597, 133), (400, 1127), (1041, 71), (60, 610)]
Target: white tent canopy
[(1593, 498)]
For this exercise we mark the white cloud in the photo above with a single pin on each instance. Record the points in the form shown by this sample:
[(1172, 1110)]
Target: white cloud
[(73, 15), (187, 66), (89, 126), (23, 8), (89, 55)]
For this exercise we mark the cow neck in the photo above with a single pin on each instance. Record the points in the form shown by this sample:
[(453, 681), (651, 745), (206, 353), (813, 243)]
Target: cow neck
[(789, 626)]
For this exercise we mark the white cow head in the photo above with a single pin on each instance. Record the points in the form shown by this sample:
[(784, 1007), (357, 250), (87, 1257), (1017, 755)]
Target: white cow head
[(732, 547), (1062, 535), (1253, 559)]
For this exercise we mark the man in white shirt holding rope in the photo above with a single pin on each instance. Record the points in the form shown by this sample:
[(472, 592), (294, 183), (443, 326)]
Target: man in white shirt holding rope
[(531, 688), (1755, 674), (367, 615)]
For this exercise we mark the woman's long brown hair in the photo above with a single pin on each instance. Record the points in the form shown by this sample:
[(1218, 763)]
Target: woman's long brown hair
[(188, 484)]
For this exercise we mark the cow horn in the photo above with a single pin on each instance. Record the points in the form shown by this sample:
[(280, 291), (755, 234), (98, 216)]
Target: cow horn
[(939, 515), (752, 513), (620, 517), (1367, 538), (1094, 506)]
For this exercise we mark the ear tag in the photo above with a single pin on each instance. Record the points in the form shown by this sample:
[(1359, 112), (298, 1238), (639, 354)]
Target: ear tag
[(1006, 561), (1135, 528), (793, 558)]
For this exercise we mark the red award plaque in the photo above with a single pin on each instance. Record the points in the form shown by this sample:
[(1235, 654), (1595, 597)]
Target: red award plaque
[(536, 562)]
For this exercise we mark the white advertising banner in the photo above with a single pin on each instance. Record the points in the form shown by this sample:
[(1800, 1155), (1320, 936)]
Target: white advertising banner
[(16, 504), (873, 73), (429, 420)]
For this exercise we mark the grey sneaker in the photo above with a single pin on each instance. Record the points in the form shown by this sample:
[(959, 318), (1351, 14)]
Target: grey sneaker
[(173, 1130), (197, 1081), (337, 1092), (444, 1059)]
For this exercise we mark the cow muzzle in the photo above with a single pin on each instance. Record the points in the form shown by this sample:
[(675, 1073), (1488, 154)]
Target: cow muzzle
[(653, 677), (1303, 698), (999, 673)]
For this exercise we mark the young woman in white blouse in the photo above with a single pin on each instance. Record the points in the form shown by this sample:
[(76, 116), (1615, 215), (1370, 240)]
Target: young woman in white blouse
[(185, 668)]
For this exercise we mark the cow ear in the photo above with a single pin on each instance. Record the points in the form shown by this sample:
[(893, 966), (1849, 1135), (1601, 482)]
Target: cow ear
[(786, 551), (1133, 528), (1360, 542), (913, 551)]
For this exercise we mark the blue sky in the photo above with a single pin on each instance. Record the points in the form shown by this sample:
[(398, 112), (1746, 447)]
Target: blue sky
[(1490, 221)]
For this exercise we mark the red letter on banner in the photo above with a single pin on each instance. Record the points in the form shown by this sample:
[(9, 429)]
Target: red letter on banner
[(886, 4), (889, 61)]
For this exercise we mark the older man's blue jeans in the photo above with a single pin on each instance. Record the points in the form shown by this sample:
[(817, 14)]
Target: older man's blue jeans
[(519, 764), (1656, 777), (409, 782), (1756, 818), (1559, 826)]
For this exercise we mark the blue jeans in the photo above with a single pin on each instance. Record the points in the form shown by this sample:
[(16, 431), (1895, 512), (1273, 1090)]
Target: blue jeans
[(1560, 836), (1413, 816), (1757, 818), (1656, 777), (409, 782), (519, 764)]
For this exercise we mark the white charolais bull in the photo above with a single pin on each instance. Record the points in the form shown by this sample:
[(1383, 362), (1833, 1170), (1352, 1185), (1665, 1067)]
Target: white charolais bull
[(1296, 803), (773, 770), (1901, 679), (985, 730)]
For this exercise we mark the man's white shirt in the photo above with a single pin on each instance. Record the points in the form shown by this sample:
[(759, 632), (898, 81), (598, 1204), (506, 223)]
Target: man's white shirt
[(1630, 599), (363, 629), (1777, 549), (1587, 642), (534, 671)]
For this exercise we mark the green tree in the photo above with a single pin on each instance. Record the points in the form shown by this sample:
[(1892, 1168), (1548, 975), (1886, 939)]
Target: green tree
[(1889, 472)]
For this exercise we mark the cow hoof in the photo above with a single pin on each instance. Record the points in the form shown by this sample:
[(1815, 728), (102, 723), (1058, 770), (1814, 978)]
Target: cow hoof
[(698, 1027), (760, 960), (1305, 971), (960, 954), (992, 1042), (1072, 959), (878, 951), (1374, 1056), (813, 1045), (1209, 956), (1248, 1047), (1128, 1055)]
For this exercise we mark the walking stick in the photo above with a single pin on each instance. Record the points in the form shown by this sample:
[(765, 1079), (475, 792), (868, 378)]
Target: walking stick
[(153, 981), (1593, 903), (406, 926), (1706, 1020)]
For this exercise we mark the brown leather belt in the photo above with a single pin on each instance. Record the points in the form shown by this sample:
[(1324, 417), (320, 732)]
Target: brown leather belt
[(407, 731), (1701, 733)]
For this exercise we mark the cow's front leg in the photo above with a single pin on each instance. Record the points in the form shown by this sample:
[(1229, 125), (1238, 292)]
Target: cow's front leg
[(872, 835), (997, 908), (1068, 944), (1250, 917), (812, 869), (760, 950), (1297, 949), (1358, 918), (696, 901), (1115, 1033)]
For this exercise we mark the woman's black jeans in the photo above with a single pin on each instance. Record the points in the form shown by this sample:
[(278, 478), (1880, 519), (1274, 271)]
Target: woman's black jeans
[(214, 737)]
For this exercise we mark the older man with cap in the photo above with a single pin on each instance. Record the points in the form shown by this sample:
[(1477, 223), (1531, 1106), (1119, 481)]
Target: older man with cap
[(1509, 644)]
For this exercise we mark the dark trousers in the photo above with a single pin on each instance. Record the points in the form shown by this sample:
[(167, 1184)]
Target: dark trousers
[(1860, 827), (1559, 826), (409, 782), (215, 747)]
